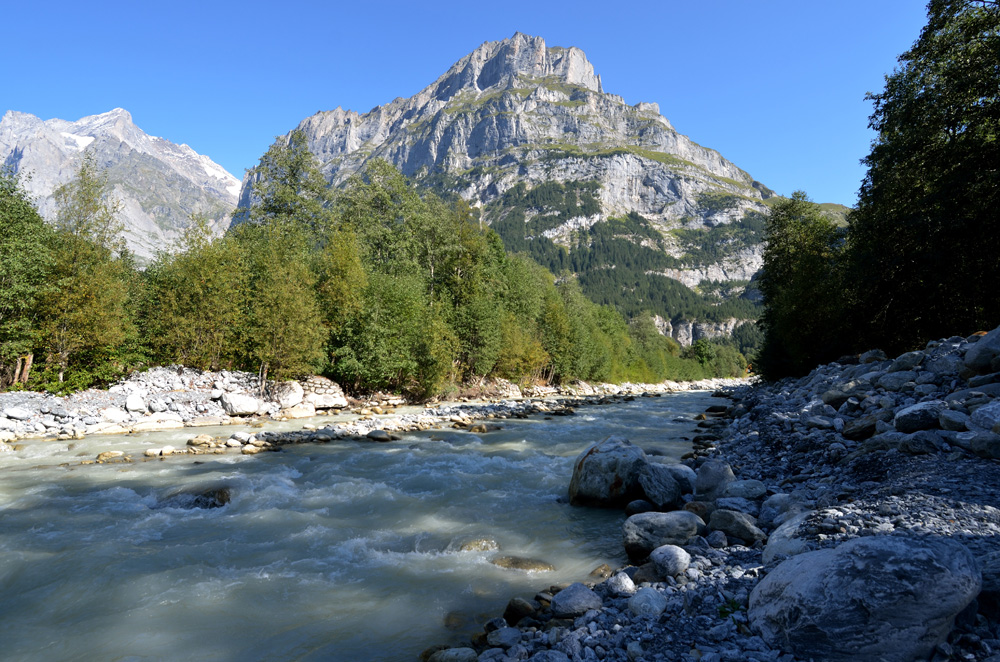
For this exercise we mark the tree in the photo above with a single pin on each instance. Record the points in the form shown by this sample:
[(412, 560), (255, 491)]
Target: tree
[(287, 184), (924, 240), (801, 284), (85, 314), (197, 300), (25, 259)]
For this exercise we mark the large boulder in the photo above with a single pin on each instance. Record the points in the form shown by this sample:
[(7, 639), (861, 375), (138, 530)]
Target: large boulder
[(659, 485), (135, 404), (981, 355), (607, 473), (18, 413), (736, 524), (645, 532), (237, 404), (887, 598), (286, 394)]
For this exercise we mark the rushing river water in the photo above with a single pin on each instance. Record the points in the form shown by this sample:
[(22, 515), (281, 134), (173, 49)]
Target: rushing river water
[(339, 551)]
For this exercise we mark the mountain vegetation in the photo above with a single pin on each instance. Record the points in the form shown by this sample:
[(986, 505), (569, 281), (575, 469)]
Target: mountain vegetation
[(920, 256), (378, 285)]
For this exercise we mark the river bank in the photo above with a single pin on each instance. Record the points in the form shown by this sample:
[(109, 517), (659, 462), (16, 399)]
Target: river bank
[(175, 397), (850, 514)]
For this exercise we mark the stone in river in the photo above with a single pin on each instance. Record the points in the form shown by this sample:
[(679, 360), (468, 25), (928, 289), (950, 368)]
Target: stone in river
[(521, 563), (607, 473), (454, 655), (645, 532), (670, 560), (479, 545)]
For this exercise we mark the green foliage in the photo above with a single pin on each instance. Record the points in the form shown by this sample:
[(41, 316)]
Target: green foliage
[(801, 284), (924, 241), (197, 299), (25, 260), (85, 315)]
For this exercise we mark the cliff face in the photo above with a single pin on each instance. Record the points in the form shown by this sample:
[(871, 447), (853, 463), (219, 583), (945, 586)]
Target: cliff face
[(159, 183), (517, 113)]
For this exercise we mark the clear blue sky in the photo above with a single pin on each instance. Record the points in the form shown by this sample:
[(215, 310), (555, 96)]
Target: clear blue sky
[(776, 86)]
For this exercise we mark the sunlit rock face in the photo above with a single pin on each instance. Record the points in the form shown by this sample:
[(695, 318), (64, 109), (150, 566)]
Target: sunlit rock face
[(518, 111), (159, 184)]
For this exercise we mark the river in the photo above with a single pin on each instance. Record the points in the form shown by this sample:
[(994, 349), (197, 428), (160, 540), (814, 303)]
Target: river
[(339, 551)]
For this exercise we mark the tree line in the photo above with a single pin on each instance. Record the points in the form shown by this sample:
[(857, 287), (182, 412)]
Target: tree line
[(377, 285), (920, 258)]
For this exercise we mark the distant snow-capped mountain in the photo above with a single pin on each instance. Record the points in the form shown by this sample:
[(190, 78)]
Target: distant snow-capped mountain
[(160, 184)]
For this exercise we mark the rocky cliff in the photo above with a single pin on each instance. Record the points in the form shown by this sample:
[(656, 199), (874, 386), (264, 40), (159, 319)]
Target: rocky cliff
[(526, 133), (160, 184)]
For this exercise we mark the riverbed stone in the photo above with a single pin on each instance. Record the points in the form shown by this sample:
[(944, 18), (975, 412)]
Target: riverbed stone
[(888, 598), (712, 479), (237, 404), (607, 473), (670, 560), (574, 600), (504, 637), (921, 416), (658, 484), (647, 603), (620, 584), (135, 404), (454, 655), (745, 489), (522, 563), (645, 532), (18, 413), (736, 525), (981, 355)]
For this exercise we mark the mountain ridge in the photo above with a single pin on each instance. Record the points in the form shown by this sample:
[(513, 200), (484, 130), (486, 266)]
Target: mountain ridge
[(159, 183)]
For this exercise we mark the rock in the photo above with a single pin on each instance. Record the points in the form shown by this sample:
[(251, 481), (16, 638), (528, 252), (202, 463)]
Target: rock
[(739, 504), (736, 525), (657, 481), (620, 584), (479, 545), (894, 381), (684, 475), (980, 356), (907, 361), (200, 440), (954, 421), (607, 473), (921, 416), (236, 404), (702, 509), (786, 540), (504, 637), (18, 413), (717, 539), (645, 532), (647, 603), (860, 428), (986, 417), (872, 356), (5, 436), (110, 455), (157, 405), (301, 410), (638, 506), (521, 563), (326, 400), (712, 479), (670, 560), (286, 394), (887, 598), (745, 489), (454, 655), (518, 609), (135, 404), (574, 600), (986, 444), (778, 508), (549, 656), (924, 442), (379, 435)]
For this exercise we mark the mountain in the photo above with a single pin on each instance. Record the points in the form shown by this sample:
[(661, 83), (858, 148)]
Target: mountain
[(159, 184), (571, 174)]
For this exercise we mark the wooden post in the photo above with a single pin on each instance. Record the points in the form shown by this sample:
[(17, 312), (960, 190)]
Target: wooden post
[(26, 368)]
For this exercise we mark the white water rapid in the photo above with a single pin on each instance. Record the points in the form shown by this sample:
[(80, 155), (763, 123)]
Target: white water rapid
[(339, 551)]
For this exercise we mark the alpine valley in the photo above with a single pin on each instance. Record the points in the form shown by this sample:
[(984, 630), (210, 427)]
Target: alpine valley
[(645, 218)]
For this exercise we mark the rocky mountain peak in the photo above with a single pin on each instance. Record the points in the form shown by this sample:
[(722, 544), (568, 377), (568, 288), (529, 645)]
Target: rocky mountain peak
[(160, 184), (519, 59)]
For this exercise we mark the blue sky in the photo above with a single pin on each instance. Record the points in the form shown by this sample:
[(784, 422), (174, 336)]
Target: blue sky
[(776, 86)]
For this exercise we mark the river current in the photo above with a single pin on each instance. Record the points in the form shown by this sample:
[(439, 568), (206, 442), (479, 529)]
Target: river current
[(341, 551)]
